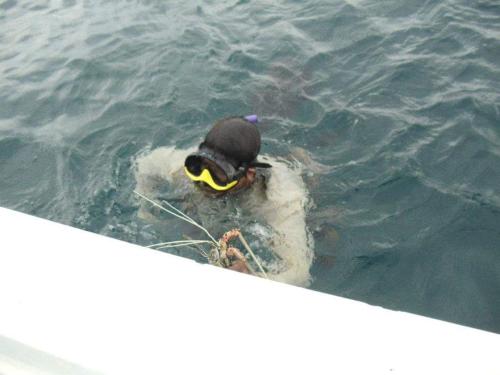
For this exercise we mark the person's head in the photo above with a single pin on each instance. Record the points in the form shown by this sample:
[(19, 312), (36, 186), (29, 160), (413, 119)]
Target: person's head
[(227, 158)]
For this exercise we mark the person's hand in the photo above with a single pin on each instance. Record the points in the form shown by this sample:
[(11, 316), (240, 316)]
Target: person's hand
[(240, 266)]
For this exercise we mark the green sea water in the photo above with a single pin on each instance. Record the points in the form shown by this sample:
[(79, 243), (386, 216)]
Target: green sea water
[(398, 101)]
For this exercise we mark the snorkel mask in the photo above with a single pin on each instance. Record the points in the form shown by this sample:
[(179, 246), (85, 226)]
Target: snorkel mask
[(226, 176), (224, 173)]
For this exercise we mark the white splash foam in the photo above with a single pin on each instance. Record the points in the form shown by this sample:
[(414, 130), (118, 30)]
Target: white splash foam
[(159, 166), (285, 211)]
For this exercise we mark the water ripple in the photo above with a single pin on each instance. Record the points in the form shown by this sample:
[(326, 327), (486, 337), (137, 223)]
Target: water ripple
[(393, 106)]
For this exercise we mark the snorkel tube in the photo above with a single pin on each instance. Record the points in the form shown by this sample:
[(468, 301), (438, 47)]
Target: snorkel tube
[(252, 118)]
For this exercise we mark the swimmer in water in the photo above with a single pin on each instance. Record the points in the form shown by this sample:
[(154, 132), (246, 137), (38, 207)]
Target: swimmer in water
[(224, 183), (226, 161)]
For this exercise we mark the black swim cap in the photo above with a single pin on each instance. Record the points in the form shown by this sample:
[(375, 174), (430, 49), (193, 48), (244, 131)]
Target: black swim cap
[(236, 138)]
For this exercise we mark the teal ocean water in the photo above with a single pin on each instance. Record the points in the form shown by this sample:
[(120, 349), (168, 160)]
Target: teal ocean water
[(396, 102)]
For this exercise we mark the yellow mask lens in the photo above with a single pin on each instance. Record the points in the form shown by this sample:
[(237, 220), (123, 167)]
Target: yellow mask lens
[(206, 177)]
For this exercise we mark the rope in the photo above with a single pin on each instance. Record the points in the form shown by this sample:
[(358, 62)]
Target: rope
[(181, 215), (245, 243)]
